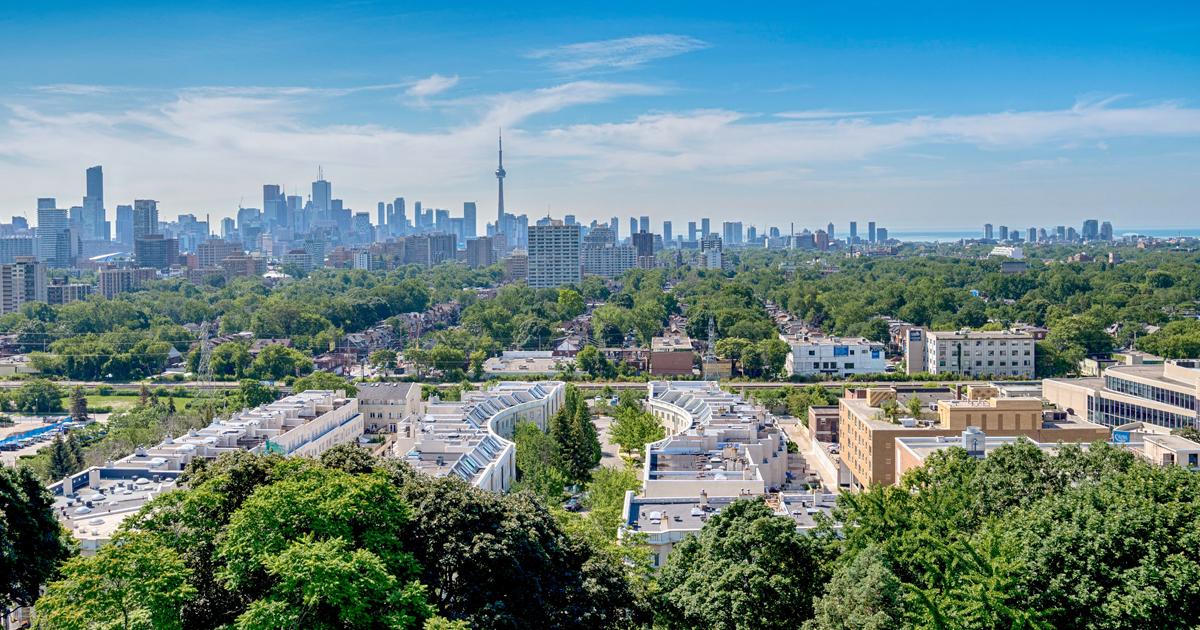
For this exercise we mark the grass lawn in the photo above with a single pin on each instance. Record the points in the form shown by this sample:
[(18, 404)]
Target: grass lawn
[(118, 403)]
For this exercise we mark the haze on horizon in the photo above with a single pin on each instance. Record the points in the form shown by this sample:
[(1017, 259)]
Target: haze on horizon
[(920, 119)]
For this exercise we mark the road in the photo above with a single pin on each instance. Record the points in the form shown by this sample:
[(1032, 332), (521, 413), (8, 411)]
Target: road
[(612, 455)]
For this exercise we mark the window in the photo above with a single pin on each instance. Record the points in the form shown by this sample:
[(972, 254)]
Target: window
[(941, 363), (979, 363), (849, 366), (812, 353), (991, 363), (851, 352)]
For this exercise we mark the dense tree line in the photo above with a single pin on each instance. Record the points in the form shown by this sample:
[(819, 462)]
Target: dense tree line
[(345, 541)]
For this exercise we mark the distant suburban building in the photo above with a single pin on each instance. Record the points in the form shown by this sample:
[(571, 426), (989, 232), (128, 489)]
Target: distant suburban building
[(834, 356), (671, 355), (971, 352), (516, 267), (114, 281), (59, 291)]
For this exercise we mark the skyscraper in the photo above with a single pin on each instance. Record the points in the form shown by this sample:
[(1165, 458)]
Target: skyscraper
[(633, 227), (853, 232), (987, 231), (829, 232), (643, 243), (47, 203), (871, 231), (469, 230), (93, 206), (275, 205), (1004, 232), (704, 228), (125, 224), (613, 225), (145, 218), (644, 225), (882, 234), (1106, 231), (54, 238), (667, 238), (322, 196), (691, 230), (401, 220), (500, 179), (384, 210), (1091, 230)]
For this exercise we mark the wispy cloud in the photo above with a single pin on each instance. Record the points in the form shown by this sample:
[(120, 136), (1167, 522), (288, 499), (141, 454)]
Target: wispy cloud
[(617, 53), (200, 149), (818, 114), (435, 84), (76, 89), (1042, 164)]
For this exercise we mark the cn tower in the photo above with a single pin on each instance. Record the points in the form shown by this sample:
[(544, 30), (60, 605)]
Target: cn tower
[(500, 178)]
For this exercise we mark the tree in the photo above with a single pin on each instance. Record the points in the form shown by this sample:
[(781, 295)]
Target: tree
[(539, 465), (570, 305), (480, 551), (323, 548), (79, 403), (914, 407), (131, 583), (477, 360), (39, 396), (62, 460), (605, 497), (385, 359), (589, 360), (231, 359), (251, 393), (275, 362), (76, 451), (143, 395), (746, 569), (864, 594), (324, 380), (633, 429), (30, 537)]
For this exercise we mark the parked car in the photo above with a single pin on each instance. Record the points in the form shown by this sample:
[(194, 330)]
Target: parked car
[(572, 505)]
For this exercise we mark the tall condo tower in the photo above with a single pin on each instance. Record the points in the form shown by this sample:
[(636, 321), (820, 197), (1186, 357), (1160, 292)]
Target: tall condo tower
[(500, 178)]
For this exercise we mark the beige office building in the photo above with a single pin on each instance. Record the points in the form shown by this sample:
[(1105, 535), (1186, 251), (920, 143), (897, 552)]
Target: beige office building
[(867, 437)]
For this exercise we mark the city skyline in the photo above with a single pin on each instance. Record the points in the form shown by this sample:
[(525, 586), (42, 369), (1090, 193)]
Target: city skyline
[(882, 117)]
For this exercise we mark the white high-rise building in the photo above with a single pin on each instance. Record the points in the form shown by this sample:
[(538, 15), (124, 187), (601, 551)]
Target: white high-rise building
[(554, 254), (21, 282)]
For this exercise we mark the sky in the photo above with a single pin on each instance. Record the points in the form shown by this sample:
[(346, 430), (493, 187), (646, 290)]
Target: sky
[(918, 117)]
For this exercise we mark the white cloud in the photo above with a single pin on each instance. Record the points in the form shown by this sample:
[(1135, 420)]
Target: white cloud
[(201, 149), (818, 114), (1042, 164), (435, 84), (617, 53), (76, 89)]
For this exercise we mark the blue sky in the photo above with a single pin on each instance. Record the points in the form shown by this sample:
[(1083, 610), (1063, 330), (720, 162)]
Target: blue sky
[(919, 118)]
